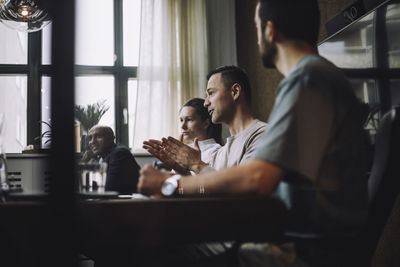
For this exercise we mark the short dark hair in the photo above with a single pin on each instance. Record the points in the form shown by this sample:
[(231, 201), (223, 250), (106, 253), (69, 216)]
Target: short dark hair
[(295, 19), (214, 130), (231, 75)]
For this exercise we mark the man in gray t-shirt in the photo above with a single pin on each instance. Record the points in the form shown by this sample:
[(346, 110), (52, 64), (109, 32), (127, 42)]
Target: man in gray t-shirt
[(315, 132)]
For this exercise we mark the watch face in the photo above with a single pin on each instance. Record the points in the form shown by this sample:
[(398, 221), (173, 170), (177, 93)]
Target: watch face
[(169, 187)]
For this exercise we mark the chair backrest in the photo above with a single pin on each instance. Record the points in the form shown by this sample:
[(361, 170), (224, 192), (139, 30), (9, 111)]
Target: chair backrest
[(387, 250), (384, 181)]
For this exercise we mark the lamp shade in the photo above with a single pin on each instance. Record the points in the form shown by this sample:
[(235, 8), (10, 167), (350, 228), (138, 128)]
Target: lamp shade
[(23, 15)]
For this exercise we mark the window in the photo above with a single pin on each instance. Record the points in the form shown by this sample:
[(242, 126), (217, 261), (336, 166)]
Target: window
[(13, 89), (352, 49), (368, 52), (107, 49), (14, 106)]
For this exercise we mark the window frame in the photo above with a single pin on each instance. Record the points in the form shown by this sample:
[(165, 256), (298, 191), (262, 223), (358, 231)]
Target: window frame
[(381, 72), (35, 70)]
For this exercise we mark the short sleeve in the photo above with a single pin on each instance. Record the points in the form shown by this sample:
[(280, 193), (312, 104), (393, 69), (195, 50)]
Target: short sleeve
[(299, 128), (252, 143)]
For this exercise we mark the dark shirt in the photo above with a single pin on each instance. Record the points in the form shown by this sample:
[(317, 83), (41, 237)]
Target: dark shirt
[(122, 171)]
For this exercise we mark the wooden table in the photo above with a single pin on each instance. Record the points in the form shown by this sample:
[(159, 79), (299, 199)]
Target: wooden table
[(149, 223), (121, 223)]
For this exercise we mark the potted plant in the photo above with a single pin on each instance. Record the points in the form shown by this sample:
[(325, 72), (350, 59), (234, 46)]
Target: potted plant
[(45, 134), (38, 146)]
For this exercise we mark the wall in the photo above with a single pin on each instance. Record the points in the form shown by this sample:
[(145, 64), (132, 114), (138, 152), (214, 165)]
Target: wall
[(265, 81)]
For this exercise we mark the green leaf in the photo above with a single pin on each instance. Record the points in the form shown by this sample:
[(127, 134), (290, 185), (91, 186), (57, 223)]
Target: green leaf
[(91, 114)]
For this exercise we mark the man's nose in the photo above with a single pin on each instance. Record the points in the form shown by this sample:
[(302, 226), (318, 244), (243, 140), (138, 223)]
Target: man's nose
[(206, 102)]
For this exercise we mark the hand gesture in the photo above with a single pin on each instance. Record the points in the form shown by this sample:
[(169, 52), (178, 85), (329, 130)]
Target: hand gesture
[(183, 154), (87, 156), (156, 148), (151, 181)]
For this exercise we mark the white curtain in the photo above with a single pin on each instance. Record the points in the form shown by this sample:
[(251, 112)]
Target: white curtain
[(173, 64)]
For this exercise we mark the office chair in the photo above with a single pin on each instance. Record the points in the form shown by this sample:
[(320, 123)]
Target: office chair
[(383, 184), (387, 252)]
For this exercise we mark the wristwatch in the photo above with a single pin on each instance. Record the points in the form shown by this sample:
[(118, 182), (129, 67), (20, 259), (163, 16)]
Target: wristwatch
[(170, 185)]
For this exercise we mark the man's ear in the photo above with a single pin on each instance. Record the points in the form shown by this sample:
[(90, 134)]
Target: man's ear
[(236, 91), (270, 32)]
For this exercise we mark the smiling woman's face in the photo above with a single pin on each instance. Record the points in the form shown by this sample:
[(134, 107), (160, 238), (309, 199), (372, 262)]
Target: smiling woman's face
[(191, 125)]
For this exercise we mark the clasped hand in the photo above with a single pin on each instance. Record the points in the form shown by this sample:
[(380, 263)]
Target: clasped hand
[(175, 153)]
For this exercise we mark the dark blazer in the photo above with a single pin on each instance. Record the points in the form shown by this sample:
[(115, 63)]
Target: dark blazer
[(122, 171)]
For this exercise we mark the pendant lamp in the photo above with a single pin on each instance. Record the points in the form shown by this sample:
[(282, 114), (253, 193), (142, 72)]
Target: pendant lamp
[(24, 15)]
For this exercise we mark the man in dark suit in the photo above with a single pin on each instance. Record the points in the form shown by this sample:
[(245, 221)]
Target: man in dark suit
[(122, 168)]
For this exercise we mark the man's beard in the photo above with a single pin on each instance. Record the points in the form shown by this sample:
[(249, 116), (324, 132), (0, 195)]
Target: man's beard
[(268, 54)]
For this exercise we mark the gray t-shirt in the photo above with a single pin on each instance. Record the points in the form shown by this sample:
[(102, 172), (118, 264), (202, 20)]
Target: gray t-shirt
[(315, 134), (237, 149)]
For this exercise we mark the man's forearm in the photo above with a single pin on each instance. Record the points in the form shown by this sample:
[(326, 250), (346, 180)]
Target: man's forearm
[(255, 177)]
